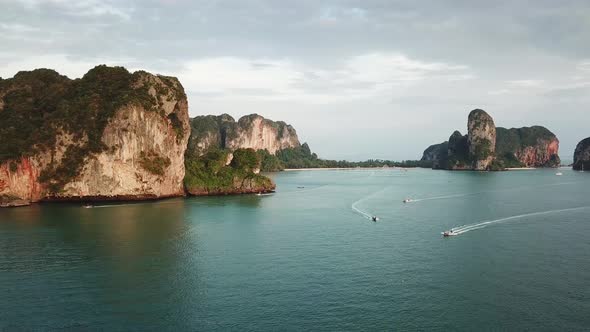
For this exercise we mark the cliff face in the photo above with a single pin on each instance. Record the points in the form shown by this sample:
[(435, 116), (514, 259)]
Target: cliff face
[(582, 155), (110, 135), (487, 147), (527, 147), (437, 154), (458, 152), (251, 131), (481, 138), (258, 133)]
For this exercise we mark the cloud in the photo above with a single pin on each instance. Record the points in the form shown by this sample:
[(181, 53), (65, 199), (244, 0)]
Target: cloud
[(363, 76), (82, 8), (498, 92), (584, 66), (337, 15), (530, 83), (17, 28)]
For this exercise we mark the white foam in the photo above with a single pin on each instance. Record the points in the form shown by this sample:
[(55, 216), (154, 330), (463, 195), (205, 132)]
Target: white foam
[(365, 213), (489, 191), (467, 228), (114, 205)]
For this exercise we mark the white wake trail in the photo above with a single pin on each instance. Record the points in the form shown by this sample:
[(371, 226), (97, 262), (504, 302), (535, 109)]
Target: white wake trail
[(116, 205), (443, 197), (365, 213), (489, 191), (467, 228)]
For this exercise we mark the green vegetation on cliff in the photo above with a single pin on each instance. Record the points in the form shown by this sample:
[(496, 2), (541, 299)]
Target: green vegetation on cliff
[(209, 174), (37, 106), (458, 151), (154, 163), (482, 150), (509, 142)]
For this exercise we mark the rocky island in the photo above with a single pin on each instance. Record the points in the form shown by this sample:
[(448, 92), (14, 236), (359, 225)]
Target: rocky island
[(582, 155), (487, 147)]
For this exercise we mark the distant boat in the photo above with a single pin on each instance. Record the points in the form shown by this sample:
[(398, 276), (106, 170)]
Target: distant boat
[(300, 187), (374, 218), (448, 233), (88, 206), (558, 173), (407, 200)]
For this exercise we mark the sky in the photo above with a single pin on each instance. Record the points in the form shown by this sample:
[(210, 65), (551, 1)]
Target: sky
[(357, 79)]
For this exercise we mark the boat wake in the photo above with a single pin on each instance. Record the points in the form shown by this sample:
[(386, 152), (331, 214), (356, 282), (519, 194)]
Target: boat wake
[(363, 213), (488, 191), (468, 228), (441, 197), (116, 205)]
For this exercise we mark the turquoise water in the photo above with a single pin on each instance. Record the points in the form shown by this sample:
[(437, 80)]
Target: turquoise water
[(309, 258)]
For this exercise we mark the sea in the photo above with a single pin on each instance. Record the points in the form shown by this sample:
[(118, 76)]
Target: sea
[(310, 257)]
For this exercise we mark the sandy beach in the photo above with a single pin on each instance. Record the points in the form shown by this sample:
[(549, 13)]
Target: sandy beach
[(339, 168), (520, 168)]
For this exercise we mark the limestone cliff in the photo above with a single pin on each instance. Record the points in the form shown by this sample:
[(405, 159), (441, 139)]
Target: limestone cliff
[(582, 155), (251, 131), (527, 147), (107, 136), (481, 139)]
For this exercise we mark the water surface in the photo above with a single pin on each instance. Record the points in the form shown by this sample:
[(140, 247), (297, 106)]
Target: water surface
[(308, 257)]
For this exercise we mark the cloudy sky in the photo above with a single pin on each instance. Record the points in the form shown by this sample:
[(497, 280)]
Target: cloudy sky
[(358, 79)]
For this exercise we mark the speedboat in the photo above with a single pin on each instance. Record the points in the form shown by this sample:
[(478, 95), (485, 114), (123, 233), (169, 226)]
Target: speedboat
[(374, 218), (558, 173), (407, 200), (448, 233), (88, 206)]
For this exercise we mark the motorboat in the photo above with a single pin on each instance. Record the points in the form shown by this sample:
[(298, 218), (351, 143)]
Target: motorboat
[(88, 206), (558, 173), (448, 233), (407, 200), (374, 218)]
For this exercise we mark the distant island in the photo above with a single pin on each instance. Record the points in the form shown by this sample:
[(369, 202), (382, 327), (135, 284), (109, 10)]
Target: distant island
[(490, 148)]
